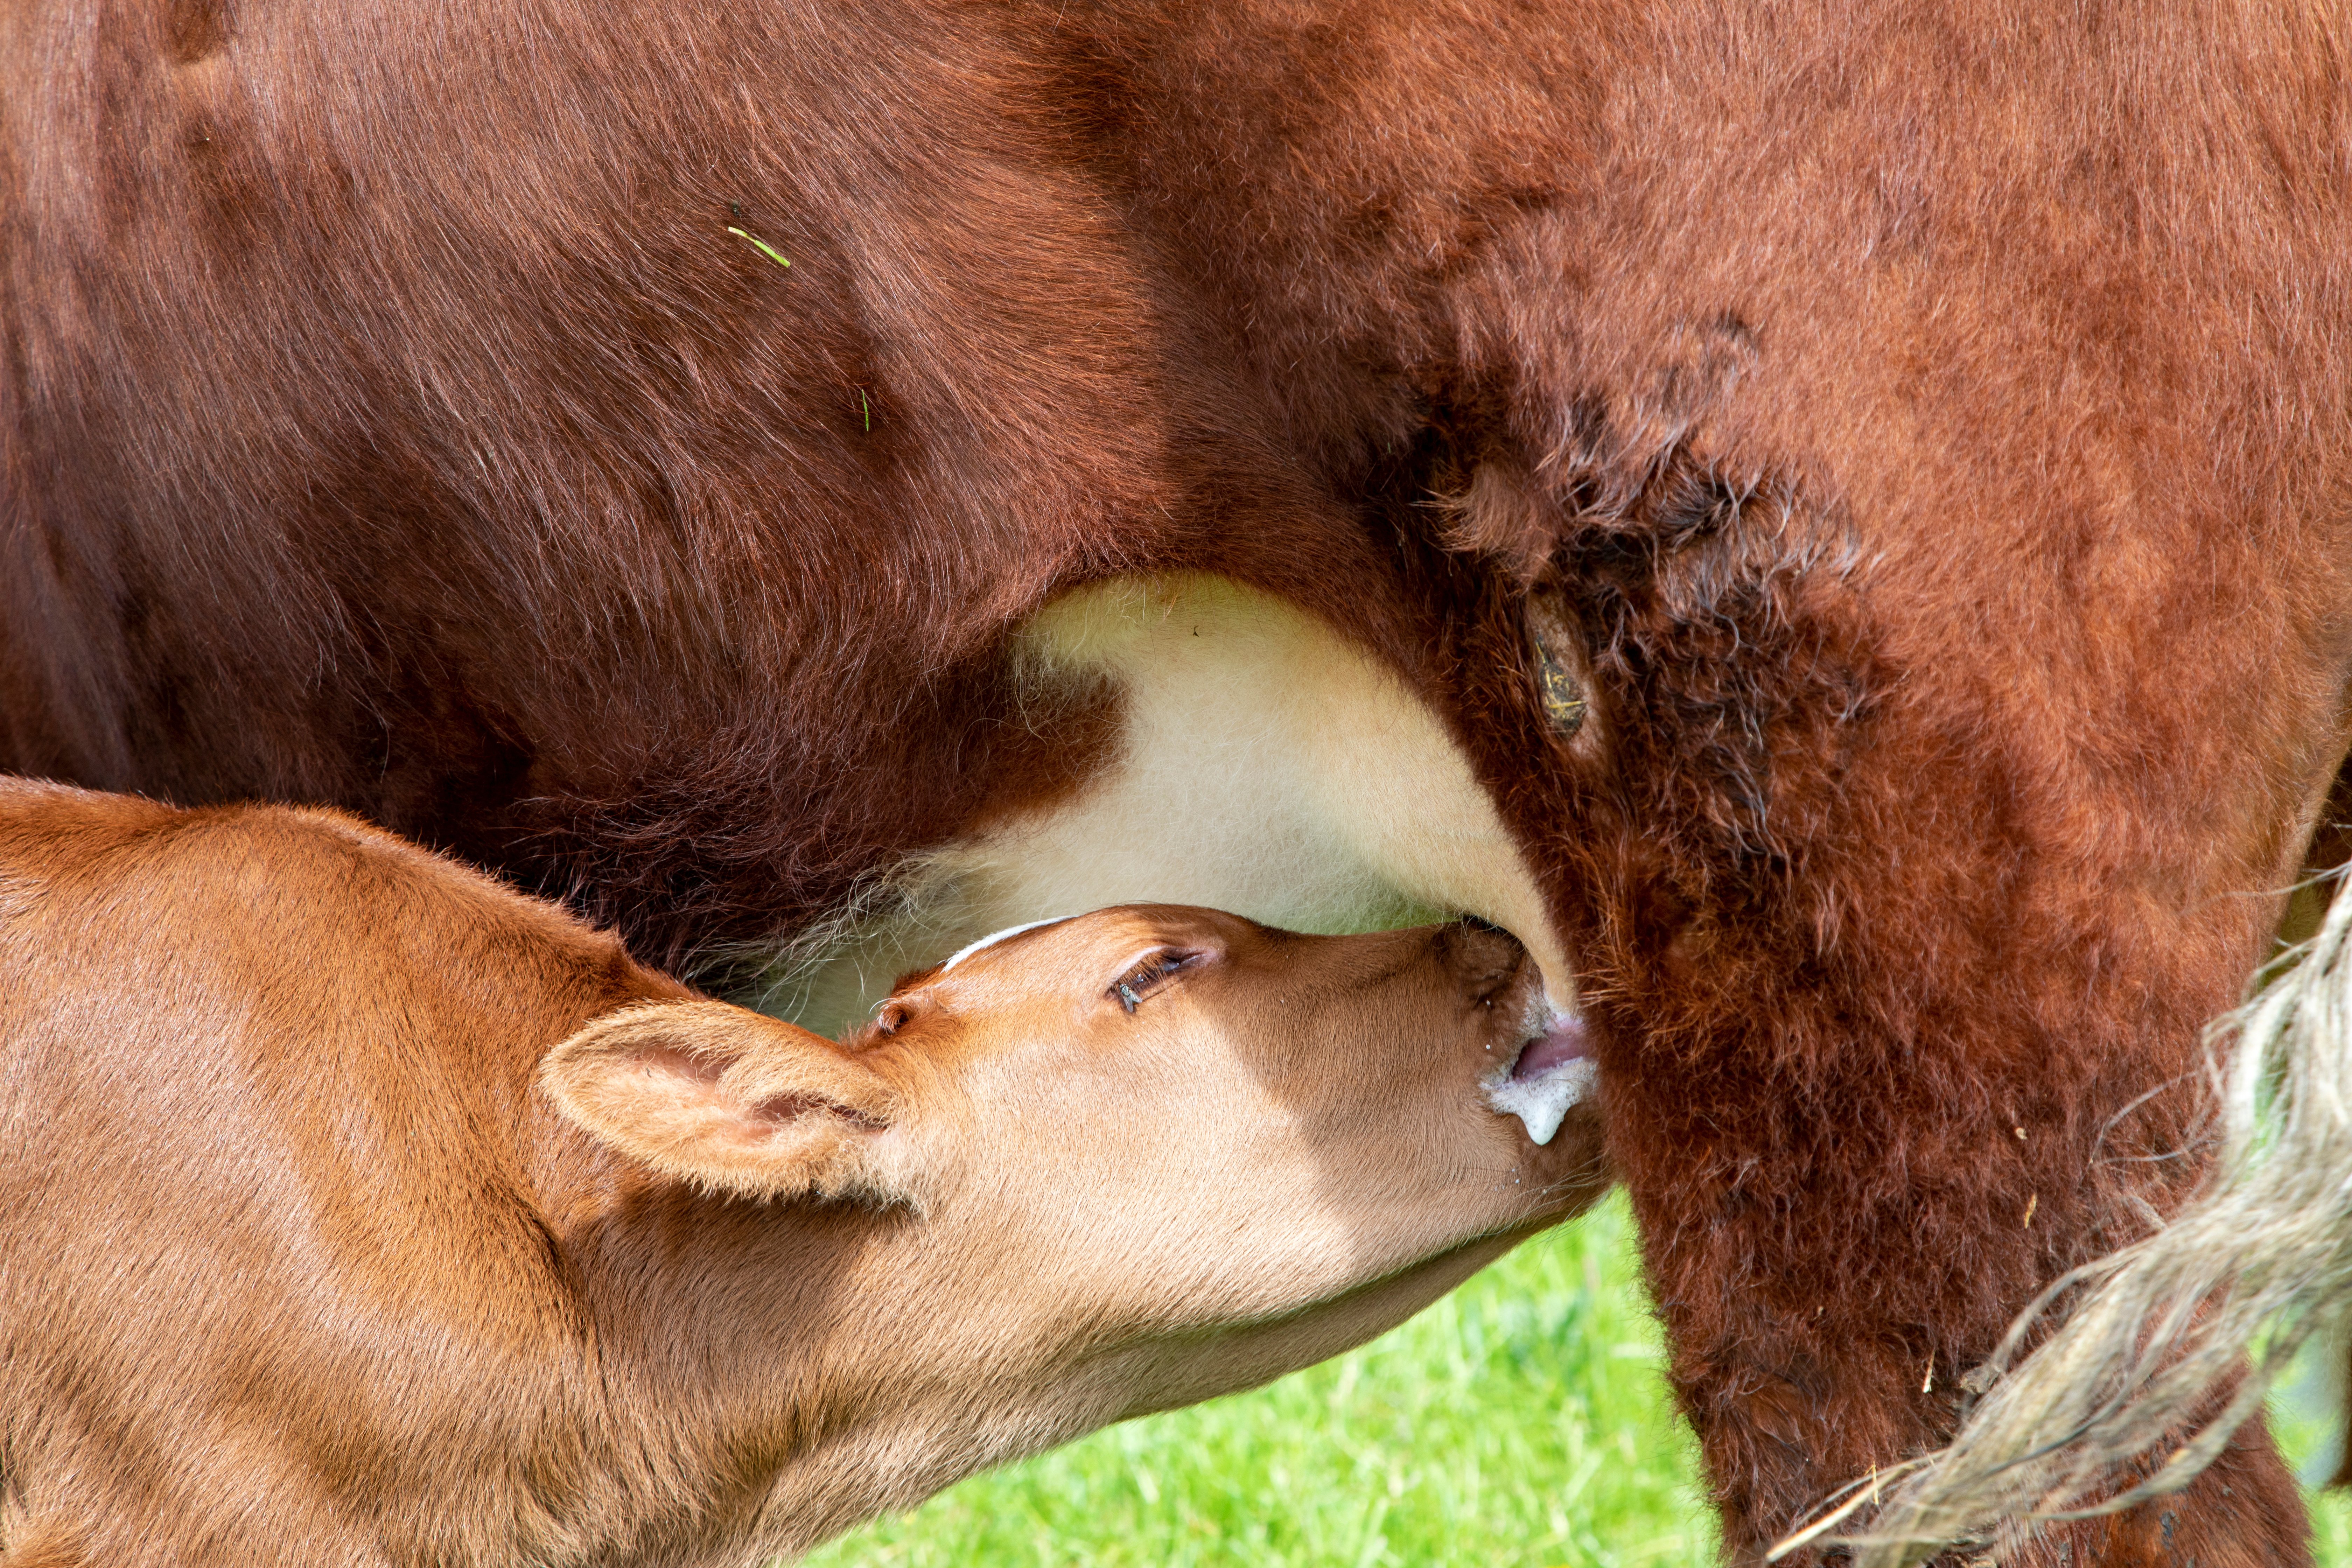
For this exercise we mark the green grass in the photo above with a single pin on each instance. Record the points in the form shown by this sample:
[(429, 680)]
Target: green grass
[(2305, 1408), (1519, 1423), (2331, 1530)]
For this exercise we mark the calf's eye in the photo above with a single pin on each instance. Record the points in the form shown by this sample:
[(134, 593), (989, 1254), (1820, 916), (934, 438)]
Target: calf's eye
[(1149, 975)]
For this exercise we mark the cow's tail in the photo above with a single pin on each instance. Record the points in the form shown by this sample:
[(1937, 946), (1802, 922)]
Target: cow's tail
[(2146, 1379)]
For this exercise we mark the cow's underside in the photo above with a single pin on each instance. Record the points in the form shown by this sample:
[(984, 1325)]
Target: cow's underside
[(1829, 524)]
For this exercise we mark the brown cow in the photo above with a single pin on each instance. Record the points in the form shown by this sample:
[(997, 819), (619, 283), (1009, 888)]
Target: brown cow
[(301, 1267), (1825, 517)]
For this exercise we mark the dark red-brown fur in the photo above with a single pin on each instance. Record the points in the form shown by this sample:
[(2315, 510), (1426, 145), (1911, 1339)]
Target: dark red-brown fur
[(1933, 418)]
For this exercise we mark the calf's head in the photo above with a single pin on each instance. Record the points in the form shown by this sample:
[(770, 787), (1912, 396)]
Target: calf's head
[(1125, 1160)]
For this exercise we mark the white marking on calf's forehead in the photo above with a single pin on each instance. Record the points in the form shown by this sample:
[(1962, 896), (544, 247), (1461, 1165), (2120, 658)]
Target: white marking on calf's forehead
[(993, 938)]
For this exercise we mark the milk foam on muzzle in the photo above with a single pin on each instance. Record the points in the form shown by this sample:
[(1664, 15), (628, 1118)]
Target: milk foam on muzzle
[(1552, 1071)]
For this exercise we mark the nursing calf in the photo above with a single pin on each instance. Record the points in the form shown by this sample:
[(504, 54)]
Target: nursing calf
[(361, 1210)]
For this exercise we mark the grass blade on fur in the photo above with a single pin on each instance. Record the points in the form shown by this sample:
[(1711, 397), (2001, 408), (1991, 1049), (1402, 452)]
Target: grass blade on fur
[(770, 251)]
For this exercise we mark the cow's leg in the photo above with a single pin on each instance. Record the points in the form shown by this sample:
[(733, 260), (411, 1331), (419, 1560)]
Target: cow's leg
[(1911, 849), (1936, 908), (2243, 1512)]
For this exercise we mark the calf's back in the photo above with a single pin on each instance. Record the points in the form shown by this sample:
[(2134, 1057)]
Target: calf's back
[(233, 1282)]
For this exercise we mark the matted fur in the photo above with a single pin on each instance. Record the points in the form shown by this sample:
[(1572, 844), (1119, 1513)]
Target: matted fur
[(2145, 1382)]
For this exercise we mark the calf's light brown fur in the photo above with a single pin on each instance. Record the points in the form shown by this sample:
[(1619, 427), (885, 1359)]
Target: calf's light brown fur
[(364, 1211)]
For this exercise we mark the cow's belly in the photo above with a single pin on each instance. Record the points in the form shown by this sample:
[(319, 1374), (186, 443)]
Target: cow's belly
[(1263, 765)]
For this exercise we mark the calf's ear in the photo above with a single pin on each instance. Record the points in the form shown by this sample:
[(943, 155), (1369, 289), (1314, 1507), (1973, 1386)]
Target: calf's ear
[(729, 1100)]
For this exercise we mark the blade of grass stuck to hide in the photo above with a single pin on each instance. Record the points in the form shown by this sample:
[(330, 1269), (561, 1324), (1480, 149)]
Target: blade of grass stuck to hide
[(770, 251)]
